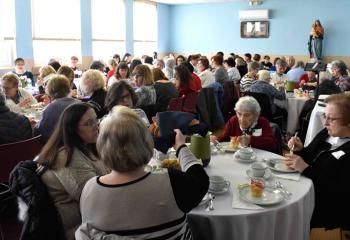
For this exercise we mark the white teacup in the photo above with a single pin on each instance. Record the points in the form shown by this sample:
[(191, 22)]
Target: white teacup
[(258, 169), (245, 153), (218, 183)]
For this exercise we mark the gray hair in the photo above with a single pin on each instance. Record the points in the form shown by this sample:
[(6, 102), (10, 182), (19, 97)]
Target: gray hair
[(253, 66), (2, 98), (170, 63), (299, 64), (124, 142), (248, 104), (264, 75), (340, 66), (282, 63), (91, 81)]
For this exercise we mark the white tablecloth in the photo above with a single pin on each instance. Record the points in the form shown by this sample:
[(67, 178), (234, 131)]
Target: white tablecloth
[(294, 106), (289, 220), (316, 123)]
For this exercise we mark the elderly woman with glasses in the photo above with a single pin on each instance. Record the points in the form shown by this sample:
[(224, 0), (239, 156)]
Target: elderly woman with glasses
[(17, 97), (131, 203), (249, 128), (71, 159), (326, 162)]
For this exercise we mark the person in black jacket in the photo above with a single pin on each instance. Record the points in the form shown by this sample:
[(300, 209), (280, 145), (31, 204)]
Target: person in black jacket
[(13, 127), (326, 162)]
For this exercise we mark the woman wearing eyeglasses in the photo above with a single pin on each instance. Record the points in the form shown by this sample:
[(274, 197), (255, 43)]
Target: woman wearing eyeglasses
[(71, 159), (326, 161)]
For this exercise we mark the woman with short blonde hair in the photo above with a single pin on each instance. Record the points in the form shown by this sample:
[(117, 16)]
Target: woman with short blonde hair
[(92, 84)]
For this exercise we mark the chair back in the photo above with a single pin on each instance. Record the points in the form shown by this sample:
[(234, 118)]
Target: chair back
[(13, 153), (186, 103), (276, 130), (175, 104), (264, 103), (190, 102), (229, 100)]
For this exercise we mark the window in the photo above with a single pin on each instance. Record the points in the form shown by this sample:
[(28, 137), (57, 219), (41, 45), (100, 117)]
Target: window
[(7, 32), (108, 28), (145, 28), (56, 30)]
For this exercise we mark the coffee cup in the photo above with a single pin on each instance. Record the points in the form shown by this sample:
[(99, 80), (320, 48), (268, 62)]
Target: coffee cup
[(258, 169), (218, 183), (245, 153)]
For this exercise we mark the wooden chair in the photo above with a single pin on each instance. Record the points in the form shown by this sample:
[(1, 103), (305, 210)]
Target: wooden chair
[(13, 153), (186, 103)]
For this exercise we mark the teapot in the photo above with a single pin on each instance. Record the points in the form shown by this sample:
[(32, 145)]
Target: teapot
[(200, 147)]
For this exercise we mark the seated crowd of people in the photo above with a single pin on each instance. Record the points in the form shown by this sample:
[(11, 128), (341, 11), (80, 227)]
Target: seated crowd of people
[(95, 126)]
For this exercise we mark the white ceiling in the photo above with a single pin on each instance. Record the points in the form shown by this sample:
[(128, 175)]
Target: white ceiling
[(195, 1)]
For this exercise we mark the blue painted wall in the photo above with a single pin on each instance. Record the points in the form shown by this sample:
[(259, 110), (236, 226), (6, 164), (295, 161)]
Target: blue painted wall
[(208, 28), (86, 29), (129, 35), (24, 47), (163, 13)]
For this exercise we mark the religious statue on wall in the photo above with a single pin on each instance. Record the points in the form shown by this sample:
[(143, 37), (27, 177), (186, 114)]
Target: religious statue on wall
[(315, 40)]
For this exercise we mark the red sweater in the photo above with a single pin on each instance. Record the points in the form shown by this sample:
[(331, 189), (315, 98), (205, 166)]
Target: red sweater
[(265, 141)]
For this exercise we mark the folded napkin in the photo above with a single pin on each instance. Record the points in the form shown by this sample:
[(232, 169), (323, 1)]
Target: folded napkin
[(239, 203), (288, 176)]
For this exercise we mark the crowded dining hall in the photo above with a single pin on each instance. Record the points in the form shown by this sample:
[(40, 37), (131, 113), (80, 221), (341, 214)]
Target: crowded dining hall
[(163, 119)]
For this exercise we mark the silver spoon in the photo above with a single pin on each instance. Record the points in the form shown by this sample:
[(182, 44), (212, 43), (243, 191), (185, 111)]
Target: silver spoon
[(280, 186), (210, 204)]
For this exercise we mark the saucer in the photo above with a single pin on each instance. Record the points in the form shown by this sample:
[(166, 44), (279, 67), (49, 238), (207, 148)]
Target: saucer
[(225, 189), (245, 160), (266, 176)]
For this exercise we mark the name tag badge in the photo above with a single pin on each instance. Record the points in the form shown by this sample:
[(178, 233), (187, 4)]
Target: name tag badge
[(338, 154), (257, 132)]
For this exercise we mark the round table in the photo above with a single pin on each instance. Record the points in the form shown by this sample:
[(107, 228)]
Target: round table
[(289, 219)]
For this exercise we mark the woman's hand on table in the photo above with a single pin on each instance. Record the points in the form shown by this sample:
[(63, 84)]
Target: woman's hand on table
[(180, 139), (295, 162), (213, 139), (295, 144)]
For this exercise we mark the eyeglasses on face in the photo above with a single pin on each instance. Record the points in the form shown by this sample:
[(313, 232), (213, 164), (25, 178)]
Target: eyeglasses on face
[(330, 119), (91, 123)]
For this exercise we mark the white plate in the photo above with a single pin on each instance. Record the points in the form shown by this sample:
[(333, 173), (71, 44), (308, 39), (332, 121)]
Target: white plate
[(270, 196), (266, 176), (279, 166), (226, 147), (225, 189), (248, 160)]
